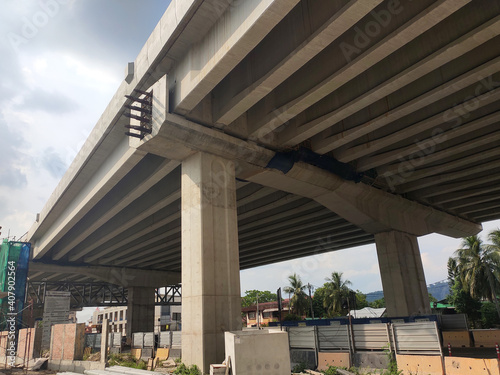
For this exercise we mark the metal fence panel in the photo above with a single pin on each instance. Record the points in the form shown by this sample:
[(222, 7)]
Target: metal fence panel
[(165, 339), (115, 339), (453, 322), (93, 340), (333, 337), (413, 338), (138, 340), (149, 340), (371, 336), (302, 337), (176, 339)]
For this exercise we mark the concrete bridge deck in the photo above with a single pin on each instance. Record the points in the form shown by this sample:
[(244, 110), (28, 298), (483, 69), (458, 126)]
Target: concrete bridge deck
[(343, 123)]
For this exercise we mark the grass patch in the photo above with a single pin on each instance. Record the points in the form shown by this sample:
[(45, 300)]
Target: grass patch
[(126, 360)]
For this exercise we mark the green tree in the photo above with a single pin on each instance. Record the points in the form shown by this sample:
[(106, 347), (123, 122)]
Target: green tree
[(432, 298), (478, 268), (378, 303), (361, 301), (250, 297), (336, 293), (318, 303), (464, 303), (298, 302)]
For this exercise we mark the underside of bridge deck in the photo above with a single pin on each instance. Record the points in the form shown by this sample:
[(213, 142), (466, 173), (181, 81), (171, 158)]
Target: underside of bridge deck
[(346, 123)]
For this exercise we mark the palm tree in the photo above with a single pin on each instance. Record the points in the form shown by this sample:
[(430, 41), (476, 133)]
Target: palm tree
[(298, 302), (337, 291), (478, 268), (494, 237)]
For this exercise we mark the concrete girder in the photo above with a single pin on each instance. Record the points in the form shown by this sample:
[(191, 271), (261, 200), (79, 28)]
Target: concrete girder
[(235, 34), (164, 169), (126, 226), (452, 197), (371, 209), (116, 167), (324, 142), (447, 135), (137, 248), (279, 231), (400, 37), (443, 178), (464, 203), (300, 210), (485, 217), (311, 250), (230, 102), (481, 207), (151, 261), (143, 255), (430, 192), (114, 275), (422, 173), (261, 193), (433, 122), (311, 237)]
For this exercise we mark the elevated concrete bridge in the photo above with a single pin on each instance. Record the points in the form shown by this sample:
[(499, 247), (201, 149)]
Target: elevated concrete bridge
[(279, 129)]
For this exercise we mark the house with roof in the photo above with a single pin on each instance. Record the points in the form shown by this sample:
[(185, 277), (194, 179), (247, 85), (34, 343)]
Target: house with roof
[(267, 312)]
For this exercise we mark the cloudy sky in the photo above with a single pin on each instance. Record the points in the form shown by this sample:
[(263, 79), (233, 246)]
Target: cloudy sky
[(61, 62)]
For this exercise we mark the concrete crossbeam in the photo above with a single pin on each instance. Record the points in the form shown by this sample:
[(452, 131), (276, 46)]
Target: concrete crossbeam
[(371, 209), (122, 276)]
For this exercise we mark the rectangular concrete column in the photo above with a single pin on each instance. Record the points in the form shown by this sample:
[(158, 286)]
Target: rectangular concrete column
[(211, 299), (140, 310), (403, 279), (104, 340)]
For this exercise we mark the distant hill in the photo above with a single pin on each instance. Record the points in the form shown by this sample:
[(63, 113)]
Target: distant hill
[(439, 290)]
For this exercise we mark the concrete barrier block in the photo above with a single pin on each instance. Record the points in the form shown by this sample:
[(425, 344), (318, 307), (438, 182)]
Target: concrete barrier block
[(136, 353), (376, 360), (259, 352), (467, 366), (326, 360), (420, 364), (486, 337), (459, 339)]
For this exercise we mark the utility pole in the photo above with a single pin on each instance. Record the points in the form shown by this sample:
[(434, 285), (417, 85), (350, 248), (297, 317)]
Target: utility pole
[(310, 300), (258, 320)]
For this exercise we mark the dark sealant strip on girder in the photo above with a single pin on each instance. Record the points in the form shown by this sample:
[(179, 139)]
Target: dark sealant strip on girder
[(284, 161)]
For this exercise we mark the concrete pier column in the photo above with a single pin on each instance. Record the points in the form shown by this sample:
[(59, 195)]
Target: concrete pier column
[(403, 279), (211, 299), (140, 310)]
